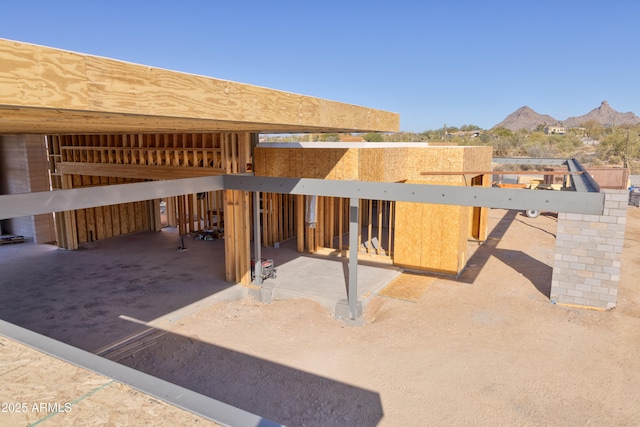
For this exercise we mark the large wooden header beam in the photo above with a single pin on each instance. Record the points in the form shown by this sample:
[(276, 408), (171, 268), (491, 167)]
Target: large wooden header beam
[(45, 90)]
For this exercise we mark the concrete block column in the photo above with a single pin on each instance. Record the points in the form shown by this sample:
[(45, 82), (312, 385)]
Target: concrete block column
[(588, 255), (24, 168)]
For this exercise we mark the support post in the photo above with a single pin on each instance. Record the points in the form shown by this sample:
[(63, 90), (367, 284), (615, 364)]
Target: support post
[(350, 308), (353, 258), (257, 252)]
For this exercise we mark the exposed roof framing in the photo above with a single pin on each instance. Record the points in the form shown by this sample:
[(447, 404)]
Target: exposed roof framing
[(51, 91)]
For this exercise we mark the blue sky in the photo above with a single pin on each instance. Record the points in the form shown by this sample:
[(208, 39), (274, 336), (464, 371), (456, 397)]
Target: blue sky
[(433, 62)]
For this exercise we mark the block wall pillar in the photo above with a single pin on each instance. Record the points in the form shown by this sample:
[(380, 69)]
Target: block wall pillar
[(24, 168), (588, 255)]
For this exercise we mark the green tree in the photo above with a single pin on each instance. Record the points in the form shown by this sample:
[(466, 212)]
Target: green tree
[(502, 132), (373, 137), (328, 137), (538, 137), (593, 129), (566, 145), (621, 145)]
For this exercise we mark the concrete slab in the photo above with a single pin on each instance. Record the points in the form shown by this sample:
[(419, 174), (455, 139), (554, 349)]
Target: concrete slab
[(110, 289), (322, 279), (114, 290)]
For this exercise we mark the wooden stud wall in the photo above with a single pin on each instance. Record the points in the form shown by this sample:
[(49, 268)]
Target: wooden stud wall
[(376, 224), (278, 218), (332, 226), (90, 160), (192, 213), (479, 215), (426, 237), (185, 150)]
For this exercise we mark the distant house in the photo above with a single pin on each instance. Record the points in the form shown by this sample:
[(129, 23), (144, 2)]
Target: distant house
[(555, 130)]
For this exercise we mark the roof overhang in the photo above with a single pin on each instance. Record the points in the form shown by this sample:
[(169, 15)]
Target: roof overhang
[(49, 91)]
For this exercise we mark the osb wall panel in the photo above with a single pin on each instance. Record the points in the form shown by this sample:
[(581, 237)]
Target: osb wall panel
[(478, 158), (372, 164), (320, 163), (431, 237)]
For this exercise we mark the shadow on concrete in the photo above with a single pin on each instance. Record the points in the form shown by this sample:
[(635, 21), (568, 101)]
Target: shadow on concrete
[(535, 271), (280, 393), (78, 297), (323, 278)]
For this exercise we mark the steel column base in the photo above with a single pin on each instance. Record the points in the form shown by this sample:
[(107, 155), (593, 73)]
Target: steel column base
[(342, 312), (262, 293)]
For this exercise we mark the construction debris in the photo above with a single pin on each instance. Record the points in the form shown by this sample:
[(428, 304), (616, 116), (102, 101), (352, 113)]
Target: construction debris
[(208, 234), (11, 238)]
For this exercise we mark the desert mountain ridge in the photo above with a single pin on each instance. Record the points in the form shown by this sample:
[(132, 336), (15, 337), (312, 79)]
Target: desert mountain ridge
[(527, 118)]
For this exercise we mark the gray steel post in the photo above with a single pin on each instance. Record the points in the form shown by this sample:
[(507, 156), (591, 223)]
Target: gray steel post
[(256, 239), (352, 295)]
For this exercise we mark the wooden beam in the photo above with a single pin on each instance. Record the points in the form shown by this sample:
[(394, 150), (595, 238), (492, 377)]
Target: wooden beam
[(45, 90), (70, 237), (299, 201), (135, 171)]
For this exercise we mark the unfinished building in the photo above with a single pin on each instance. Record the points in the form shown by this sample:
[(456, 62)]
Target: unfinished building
[(101, 142), (116, 138)]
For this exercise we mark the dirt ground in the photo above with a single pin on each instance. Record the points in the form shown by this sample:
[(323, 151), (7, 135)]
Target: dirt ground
[(486, 349)]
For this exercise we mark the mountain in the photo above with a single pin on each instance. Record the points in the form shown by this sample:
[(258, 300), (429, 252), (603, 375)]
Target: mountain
[(525, 118), (605, 115)]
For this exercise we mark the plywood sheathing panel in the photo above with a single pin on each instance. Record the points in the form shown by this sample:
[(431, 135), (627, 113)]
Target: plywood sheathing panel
[(427, 237), (47, 90), (371, 164), (431, 237), (301, 163)]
